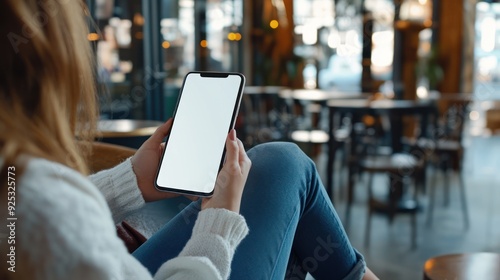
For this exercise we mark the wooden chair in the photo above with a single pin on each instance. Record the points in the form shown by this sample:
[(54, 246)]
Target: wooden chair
[(446, 153), (306, 131), (105, 156), (403, 170)]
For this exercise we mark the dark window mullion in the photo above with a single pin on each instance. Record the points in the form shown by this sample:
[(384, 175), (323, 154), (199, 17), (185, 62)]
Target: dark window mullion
[(153, 68)]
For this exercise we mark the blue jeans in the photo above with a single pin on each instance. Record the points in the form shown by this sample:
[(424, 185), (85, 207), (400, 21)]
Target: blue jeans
[(294, 228)]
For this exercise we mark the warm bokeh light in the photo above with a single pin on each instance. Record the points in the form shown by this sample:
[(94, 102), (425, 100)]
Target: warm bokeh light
[(93, 36), (204, 43), (165, 44), (369, 120), (234, 36), (138, 19), (139, 35), (274, 24), (429, 264)]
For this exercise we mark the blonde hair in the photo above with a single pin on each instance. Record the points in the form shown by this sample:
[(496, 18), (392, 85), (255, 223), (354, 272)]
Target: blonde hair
[(47, 82)]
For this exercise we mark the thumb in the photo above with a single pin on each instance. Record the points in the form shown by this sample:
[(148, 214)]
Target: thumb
[(161, 132), (232, 148)]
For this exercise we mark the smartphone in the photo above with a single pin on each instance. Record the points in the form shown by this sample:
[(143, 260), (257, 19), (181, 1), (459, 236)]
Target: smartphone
[(194, 152)]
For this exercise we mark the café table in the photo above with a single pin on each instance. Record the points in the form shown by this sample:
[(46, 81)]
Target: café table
[(306, 115), (319, 95), (126, 132), (261, 99), (466, 266), (316, 98), (393, 109)]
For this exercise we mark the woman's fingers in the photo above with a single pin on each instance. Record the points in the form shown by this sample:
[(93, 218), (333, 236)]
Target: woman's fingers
[(231, 179), (236, 153), (192, 197), (161, 132), (242, 155), (232, 153)]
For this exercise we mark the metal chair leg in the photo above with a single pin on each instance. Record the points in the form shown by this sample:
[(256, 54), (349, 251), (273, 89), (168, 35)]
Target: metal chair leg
[(350, 196), (414, 215), (369, 212), (413, 231), (464, 200), (446, 171), (432, 198)]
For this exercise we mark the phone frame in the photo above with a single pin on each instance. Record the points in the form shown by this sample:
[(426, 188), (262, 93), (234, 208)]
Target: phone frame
[(210, 74)]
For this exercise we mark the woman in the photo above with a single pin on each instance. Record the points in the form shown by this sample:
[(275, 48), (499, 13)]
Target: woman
[(61, 226)]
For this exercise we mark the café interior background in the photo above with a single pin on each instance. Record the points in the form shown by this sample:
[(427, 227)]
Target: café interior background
[(144, 48)]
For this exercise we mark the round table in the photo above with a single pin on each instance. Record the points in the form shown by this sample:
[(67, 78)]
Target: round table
[(470, 266), (314, 100), (126, 132), (319, 95)]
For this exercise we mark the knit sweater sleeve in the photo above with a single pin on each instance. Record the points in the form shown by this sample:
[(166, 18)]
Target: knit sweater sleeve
[(65, 231), (216, 234), (119, 187)]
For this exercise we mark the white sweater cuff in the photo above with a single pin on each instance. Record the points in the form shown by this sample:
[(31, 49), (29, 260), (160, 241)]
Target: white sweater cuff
[(216, 234), (230, 225), (119, 187)]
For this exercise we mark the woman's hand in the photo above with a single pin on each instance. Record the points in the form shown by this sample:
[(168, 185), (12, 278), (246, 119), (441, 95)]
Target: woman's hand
[(232, 178), (145, 164)]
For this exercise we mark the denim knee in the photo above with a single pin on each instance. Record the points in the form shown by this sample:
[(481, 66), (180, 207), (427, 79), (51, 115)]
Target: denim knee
[(280, 157), (279, 150)]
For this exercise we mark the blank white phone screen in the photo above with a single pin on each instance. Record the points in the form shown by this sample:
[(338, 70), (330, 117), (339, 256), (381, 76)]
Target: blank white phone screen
[(194, 149)]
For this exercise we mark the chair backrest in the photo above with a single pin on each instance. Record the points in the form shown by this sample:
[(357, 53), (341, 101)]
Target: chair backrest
[(453, 115), (105, 156)]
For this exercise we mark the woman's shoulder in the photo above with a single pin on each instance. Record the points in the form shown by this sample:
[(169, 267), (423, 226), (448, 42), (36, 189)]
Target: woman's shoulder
[(50, 193), (59, 212), (56, 181), (55, 189)]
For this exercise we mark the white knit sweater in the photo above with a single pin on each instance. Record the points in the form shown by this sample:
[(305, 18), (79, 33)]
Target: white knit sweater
[(65, 229)]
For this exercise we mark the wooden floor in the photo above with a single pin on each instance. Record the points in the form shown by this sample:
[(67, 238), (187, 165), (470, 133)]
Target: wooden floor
[(390, 255)]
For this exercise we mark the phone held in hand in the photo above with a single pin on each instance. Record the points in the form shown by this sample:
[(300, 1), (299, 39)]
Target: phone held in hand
[(194, 153)]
